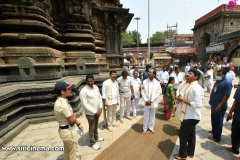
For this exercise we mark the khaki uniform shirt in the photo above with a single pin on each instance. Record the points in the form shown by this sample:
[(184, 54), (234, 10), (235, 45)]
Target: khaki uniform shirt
[(62, 110)]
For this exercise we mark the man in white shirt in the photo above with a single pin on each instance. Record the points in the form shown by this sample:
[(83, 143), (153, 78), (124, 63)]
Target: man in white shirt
[(131, 71), (187, 68), (151, 90), (110, 93), (201, 79), (208, 79), (190, 115), (137, 92), (91, 100), (178, 79), (163, 77), (126, 94)]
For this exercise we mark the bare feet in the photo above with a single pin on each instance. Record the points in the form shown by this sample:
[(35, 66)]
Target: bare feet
[(110, 130), (238, 158), (153, 132), (116, 125), (144, 132), (134, 116), (130, 118), (121, 121)]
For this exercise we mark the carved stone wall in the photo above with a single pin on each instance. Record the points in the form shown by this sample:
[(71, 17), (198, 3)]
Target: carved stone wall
[(66, 31), (44, 40)]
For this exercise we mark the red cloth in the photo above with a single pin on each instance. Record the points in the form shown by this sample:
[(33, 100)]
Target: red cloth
[(232, 68)]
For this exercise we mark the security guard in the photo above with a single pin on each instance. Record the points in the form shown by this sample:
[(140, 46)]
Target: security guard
[(66, 119)]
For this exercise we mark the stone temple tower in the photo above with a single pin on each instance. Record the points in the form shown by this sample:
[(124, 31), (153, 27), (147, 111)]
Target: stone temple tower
[(49, 39), (44, 41)]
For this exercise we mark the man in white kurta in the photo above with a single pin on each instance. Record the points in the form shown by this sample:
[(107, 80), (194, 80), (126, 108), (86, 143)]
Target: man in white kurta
[(178, 79), (137, 92), (110, 93), (151, 90), (208, 79), (126, 94), (163, 77)]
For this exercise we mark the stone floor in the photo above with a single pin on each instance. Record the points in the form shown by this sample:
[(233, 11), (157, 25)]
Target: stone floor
[(206, 149), (46, 134)]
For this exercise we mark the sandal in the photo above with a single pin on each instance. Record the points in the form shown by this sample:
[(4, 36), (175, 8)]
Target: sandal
[(229, 149), (212, 139), (177, 156), (210, 131)]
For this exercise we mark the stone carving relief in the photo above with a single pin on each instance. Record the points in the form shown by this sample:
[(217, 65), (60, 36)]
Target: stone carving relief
[(45, 5), (26, 67)]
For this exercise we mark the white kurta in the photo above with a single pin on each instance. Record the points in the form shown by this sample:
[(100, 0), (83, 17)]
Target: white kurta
[(209, 81), (178, 78), (163, 76), (115, 91), (135, 101), (151, 90)]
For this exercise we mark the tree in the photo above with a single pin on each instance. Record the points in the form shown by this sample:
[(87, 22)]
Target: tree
[(134, 35), (169, 33), (127, 38), (157, 37)]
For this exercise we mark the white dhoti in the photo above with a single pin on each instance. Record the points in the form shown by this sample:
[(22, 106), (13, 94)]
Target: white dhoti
[(124, 101), (208, 84), (135, 102), (149, 118)]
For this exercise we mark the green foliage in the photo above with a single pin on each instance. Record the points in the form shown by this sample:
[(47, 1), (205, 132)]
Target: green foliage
[(157, 37), (160, 36), (136, 35), (127, 39)]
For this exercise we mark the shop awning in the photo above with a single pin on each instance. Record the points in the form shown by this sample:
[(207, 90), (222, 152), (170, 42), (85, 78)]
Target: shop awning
[(162, 57), (184, 51)]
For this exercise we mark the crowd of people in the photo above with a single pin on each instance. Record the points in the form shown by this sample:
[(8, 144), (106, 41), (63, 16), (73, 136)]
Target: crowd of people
[(182, 96)]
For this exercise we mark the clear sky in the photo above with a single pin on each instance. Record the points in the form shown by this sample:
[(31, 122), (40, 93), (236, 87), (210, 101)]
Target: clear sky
[(163, 12)]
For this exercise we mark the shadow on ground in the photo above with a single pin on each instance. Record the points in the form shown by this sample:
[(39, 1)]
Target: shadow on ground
[(165, 148)]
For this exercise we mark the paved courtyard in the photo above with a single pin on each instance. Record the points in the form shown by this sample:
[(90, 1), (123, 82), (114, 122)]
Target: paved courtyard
[(46, 134)]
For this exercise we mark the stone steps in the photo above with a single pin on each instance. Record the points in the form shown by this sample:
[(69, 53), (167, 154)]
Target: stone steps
[(22, 103)]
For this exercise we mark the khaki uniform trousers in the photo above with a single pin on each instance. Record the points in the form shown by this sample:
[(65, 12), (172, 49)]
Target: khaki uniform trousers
[(69, 138)]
